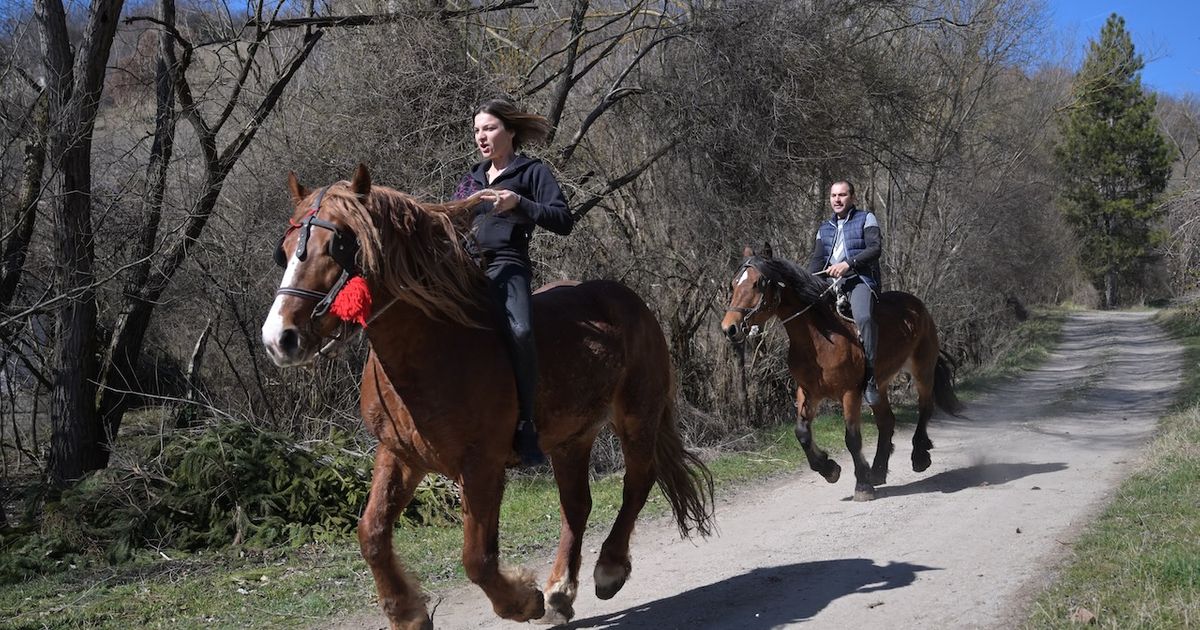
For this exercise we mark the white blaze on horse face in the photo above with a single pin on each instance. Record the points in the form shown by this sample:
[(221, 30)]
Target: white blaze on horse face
[(745, 276), (272, 329)]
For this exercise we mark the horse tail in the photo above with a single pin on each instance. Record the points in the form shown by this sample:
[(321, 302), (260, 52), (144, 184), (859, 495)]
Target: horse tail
[(943, 386), (683, 478)]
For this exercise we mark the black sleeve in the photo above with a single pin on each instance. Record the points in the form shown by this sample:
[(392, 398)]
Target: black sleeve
[(870, 254), (819, 257), (547, 207)]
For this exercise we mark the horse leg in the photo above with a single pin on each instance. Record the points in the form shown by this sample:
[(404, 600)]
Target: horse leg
[(925, 401), (864, 490), (513, 593), (575, 498), (392, 486), (637, 437), (818, 459), (885, 421)]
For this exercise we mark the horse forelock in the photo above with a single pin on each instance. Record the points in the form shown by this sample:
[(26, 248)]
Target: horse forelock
[(414, 250)]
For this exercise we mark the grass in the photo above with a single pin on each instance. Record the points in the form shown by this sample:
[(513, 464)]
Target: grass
[(296, 588), (1138, 565), (1027, 346)]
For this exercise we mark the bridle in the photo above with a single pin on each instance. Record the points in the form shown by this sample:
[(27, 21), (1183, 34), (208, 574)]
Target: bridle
[(343, 248), (747, 313)]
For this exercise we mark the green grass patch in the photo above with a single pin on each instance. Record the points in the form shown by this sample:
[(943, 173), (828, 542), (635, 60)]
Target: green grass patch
[(1138, 565)]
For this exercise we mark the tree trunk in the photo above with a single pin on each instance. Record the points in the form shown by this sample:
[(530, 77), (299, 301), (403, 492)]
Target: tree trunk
[(1110, 289), (122, 386), (17, 245), (74, 85), (187, 413)]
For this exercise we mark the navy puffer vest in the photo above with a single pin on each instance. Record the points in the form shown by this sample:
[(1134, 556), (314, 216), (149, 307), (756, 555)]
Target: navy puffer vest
[(853, 232)]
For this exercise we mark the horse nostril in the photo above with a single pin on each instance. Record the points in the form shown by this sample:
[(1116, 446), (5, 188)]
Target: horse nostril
[(289, 341), (731, 332)]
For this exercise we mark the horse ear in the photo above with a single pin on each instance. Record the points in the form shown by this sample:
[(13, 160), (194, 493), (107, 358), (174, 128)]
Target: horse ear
[(748, 251), (361, 183), (766, 250), (298, 192)]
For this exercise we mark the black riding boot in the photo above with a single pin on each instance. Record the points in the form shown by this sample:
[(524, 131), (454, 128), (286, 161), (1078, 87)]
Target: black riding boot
[(870, 388)]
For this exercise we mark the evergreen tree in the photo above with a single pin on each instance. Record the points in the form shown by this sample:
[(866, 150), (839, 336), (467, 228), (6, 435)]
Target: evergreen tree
[(1114, 161)]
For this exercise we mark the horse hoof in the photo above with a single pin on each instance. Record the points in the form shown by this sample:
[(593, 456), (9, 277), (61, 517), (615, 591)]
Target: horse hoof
[(558, 610), (864, 492), (609, 579), (832, 473), (607, 591), (553, 618), (921, 461), (879, 478)]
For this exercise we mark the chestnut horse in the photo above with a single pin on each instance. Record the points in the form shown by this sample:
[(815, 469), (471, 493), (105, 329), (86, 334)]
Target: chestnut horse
[(438, 389), (826, 360)]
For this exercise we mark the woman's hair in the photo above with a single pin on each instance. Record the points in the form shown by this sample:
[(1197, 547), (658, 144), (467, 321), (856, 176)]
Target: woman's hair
[(526, 127)]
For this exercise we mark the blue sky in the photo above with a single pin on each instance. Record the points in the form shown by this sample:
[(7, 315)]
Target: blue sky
[(1165, 32)]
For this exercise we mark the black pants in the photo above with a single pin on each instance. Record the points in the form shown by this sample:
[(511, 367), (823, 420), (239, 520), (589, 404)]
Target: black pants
[(510, 287)]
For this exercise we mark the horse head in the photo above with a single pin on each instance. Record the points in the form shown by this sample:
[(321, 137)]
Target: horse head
[(755, 296), (323, 280), (766, 286)]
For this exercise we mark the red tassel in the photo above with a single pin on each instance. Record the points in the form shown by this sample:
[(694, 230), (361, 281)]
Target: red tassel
[(353, 302)]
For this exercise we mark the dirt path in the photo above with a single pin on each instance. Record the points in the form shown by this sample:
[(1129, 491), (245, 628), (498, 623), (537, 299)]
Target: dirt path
[(965, 544)]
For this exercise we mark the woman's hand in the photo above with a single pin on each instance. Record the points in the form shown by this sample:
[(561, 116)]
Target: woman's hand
[(502, 200)]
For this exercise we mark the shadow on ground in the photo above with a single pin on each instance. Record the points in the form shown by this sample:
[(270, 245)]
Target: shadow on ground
[(761, 599), (970, 477)]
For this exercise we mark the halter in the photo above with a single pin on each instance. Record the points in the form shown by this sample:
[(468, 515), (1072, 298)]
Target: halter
[(343, 249)]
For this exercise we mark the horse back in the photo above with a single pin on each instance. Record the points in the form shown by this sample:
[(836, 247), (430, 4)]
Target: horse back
[(592, 335)]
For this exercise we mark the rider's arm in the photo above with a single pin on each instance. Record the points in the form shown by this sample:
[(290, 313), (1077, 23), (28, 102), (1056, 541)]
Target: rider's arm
[(874, 248), (817, 262), (548, 206)]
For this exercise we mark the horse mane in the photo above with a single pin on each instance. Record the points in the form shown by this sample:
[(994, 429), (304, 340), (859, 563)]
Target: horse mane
[(415, 250), (808, 288)]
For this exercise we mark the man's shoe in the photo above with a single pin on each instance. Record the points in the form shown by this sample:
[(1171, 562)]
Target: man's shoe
[(526, 445), (871, 394)]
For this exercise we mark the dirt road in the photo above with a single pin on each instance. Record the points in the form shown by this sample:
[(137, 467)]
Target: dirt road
[(965, 544)]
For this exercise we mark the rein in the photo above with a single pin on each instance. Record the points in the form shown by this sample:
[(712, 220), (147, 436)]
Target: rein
[(810, 305), (337, 342)]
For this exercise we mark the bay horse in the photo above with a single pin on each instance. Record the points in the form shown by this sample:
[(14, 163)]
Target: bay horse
[(439, 394), (826, 360)]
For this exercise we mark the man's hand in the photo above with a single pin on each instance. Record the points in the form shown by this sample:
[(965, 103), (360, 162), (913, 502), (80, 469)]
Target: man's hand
[(503, 200), (838, 270)]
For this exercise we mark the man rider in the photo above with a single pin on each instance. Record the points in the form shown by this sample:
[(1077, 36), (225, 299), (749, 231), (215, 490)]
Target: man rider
[(847, 249)]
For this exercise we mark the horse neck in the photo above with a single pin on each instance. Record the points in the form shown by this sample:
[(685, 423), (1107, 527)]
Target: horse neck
[(408, 341), (814, 323)]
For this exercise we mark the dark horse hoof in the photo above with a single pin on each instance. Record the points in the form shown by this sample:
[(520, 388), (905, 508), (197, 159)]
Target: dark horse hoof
[(921, 461), (607, 591), (832, 472), (879, 477), (864, 492)]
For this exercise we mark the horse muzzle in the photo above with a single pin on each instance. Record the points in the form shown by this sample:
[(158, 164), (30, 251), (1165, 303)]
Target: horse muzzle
[(286, 347)]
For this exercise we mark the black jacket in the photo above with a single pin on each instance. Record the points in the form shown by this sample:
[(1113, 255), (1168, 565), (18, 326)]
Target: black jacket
[(542, 204)]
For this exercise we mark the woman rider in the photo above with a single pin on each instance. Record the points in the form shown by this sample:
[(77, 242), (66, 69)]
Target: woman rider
[(521, 193)]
